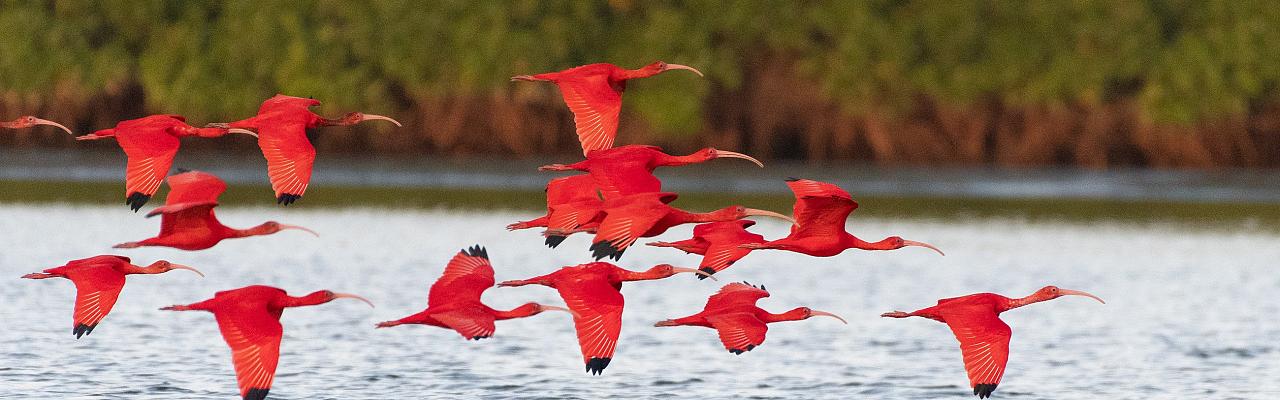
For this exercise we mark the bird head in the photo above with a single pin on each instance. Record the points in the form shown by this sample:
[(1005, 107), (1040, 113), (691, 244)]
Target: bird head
[(325, 296), (666, 270), (658, 67), (162, 266), (30, 121), (806, 313), (896, 242), (353, 118), (712, 153), (736, 212), (271, 227), (1052, 292)]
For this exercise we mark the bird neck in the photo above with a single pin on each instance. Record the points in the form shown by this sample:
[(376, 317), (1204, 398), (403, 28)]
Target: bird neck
[(351, 118), (10, 124), (628, 275), (668, 160), (518, 312), (1006, 304), (315, 298), (889, 243), (263, 229), (724, 214), (795, 314)]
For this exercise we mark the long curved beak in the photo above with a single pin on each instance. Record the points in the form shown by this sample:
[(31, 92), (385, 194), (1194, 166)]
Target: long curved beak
[(180, 266), (695, 271), (1066, 292), (352, 296), (244, 131), (922, 244), (767, 213), (684, 67), (381, 117), (51, 123), (558, 308), (287, 226), (816, 312), (734, 154)]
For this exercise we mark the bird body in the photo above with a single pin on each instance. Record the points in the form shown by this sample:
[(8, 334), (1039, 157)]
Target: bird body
[(627, 170), (187, 219), (99, 281), (572, 202), (821, 211), (593, 292), (718, 242), (454, 300), (249, 320), (594, 94), (733, 313), (150, 143), (984, 338)]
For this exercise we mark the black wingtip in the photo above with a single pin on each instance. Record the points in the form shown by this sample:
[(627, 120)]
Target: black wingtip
[(555, 240), (477, 251), (983, 390), (596, 365), (182, 170), (708, 270), (82, 329), (792, 179), (605, 249), (136, 200), (287, 198), (256, 394), (738, 352), (479, 337)]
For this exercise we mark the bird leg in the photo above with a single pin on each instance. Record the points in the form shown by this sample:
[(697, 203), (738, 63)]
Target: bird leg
[(896, 314), (127, 245), (177, 307), (39, 275), (526, 78), (669, 322)]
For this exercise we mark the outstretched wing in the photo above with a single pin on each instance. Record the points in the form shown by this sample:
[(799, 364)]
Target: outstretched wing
[(571, 189), (465, 278), (740, 332), (735, 295), (984, 342), (97, 288), (290, 158), (595, 105), (471, 323), (150, 150), (598, 319), (821, 208), (254, 338), (197, 220), (191, 189), (623, 225)]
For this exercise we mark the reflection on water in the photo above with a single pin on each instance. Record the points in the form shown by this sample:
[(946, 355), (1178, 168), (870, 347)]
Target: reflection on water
[(1188, 313)]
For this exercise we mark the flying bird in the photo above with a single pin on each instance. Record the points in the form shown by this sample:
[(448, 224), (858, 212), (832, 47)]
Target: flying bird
[(249, 318), (984, 338), (733, 313), (626, 170), (454, 299), (719, 244), (593, 292), (282, 122), (594, 95), (646, 215), (187, 220), (821, 211), (99, 281), (572, 203), (30, 121), (150, 144)]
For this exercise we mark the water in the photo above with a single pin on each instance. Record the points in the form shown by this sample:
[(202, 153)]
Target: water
[(1189, 314)]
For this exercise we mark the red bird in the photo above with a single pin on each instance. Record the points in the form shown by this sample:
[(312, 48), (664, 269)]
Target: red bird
[(572, 202), (187, 220), (594, 292), (30, 121), (98, 283), (718, 243), (646, 215), (454, 300), (733, 313), (282, 122), (984, 338), (626, 170), (150, 144), (249, 318), (594, 94), (821, 211)]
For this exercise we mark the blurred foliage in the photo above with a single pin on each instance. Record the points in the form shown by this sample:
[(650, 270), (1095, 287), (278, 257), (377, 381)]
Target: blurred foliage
[(1183, 61)]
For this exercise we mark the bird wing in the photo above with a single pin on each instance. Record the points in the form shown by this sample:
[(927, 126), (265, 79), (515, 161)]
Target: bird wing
[(471, 323), (740, 332), (721, 255), (465, 278), (97, 288), (254, 337), (150, 152), (735, 295), (570, 216), (191, 189), (623, 224), (821, 208), (197, 220), (595, 105), (619, 179), (571, 189), (984, 343), (597, 320), (289, 155)]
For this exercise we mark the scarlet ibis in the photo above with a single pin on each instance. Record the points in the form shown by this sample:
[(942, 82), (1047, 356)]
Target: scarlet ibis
[(594, 292), (282, 122), (187, 221), (454, 300), (718, 243), (150, 143), (732, 312), (594, 95), (249, 318), (572, 201), (625, 170), (99, 281), (984, 338), (646, 215), (821, 211), (30, 121)]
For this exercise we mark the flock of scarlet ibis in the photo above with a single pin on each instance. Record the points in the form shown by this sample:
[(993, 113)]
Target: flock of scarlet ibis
[(618, 199)]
